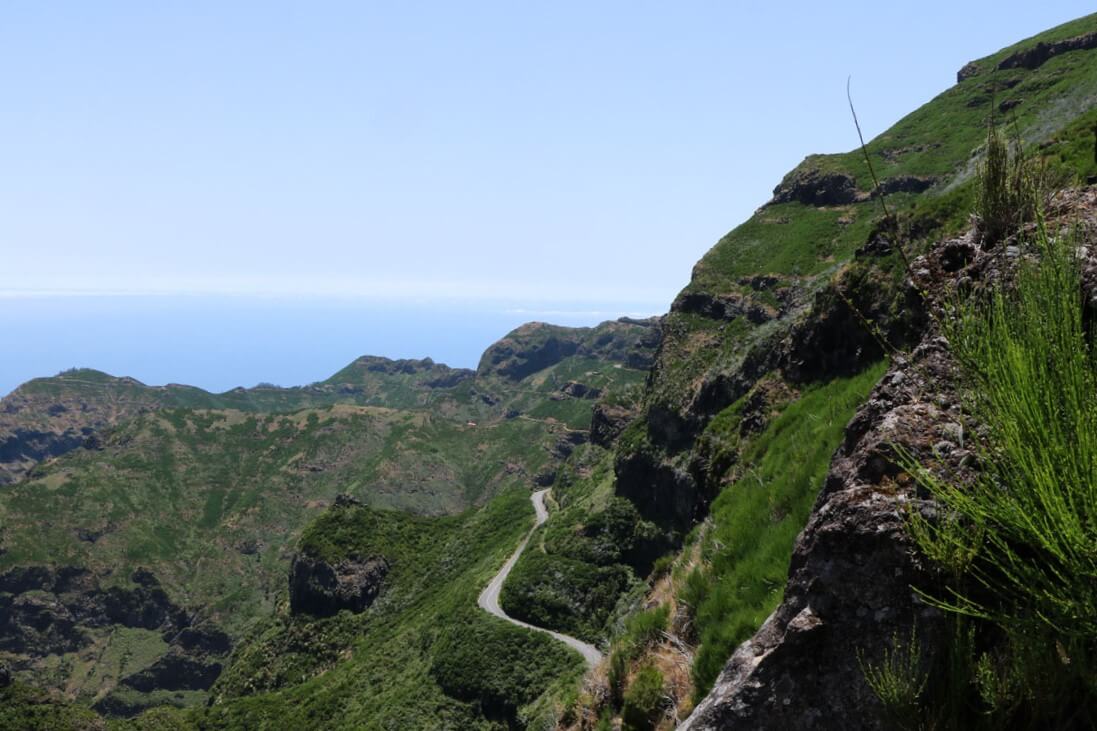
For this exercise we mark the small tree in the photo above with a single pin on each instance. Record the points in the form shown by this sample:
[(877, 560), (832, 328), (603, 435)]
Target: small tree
[(643, 700)]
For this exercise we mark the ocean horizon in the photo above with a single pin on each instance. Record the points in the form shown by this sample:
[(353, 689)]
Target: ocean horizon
[(221, 342)]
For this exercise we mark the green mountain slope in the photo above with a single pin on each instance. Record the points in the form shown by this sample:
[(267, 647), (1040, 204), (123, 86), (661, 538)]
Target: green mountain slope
[(48, 417), (671, 533), (186, 507)]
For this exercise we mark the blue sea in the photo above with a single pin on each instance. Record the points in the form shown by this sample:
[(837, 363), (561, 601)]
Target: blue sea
[(221, 342)]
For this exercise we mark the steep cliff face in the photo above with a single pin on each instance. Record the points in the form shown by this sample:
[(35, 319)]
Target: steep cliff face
[(816, 286), (853, 585), (323, 589), (764, 298)]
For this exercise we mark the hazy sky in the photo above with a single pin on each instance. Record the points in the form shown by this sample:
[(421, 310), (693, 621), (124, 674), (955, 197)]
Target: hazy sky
[(528, 151), (222, 193)]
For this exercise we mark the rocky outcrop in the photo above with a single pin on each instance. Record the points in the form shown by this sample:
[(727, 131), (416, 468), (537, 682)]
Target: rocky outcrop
[(662, 491), (38, 624), (567, 443), (1036, 56), (836, 340), (814, 187), (176, 670), (608, 421), (580, 390), (322, 589), (49, 610), (205, 639), (849, 592), (723, 307), (968, 71), (904, 184)]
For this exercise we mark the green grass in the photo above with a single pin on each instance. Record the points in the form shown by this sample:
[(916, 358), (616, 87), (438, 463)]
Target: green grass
[(756, 519), (804, 245)]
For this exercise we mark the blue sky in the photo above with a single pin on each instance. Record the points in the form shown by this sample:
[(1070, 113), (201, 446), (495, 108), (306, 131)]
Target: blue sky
[(549, 157)]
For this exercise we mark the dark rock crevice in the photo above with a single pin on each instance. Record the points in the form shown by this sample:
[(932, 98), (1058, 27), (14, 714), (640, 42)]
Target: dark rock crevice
[(1036, 56), (322, 589)]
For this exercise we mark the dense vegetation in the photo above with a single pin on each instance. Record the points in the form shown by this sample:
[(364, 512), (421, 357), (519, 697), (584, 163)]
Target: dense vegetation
[(755, 520), (1016, 543), (397, 662), (589, 554)]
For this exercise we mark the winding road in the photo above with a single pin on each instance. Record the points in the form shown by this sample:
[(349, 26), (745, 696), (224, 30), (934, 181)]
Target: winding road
[(489, 597)]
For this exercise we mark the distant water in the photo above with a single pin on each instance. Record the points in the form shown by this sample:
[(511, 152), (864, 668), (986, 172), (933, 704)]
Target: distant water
[(218, 343)]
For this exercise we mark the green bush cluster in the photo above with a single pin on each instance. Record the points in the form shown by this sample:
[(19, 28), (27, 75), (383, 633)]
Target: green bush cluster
[(1019, 542), (644, 700), (1006, 192), (495, 664), (564, 594)]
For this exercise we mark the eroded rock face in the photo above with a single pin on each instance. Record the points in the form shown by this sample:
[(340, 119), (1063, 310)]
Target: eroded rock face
[(322, 589), (968, 71), (176, 670), (608, 421), (814, 187), (849, 589), (723, 307), (580, 390), (848, 595), (1038, 55)]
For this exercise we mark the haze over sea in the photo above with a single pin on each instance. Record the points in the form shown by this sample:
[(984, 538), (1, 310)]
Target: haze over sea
[(225, 193), (220, 342)]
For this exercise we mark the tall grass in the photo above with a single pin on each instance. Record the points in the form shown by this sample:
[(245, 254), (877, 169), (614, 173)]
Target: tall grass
[(757, 518), (1033, 513), (1007, 191), (1021, 542)]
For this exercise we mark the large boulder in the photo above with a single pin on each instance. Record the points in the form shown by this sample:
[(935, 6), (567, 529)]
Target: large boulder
[(322, 589)]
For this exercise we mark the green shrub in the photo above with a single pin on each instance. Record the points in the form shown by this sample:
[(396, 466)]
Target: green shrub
[(1007, 193), (644, 629), (496, 664), (644, 701), (617, 676), (1020, 541), (898, 680), (552, 591)]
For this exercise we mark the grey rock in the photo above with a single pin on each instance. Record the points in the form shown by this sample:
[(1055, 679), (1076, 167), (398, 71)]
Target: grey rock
[(967, 71), (322, 589), (814, 187)]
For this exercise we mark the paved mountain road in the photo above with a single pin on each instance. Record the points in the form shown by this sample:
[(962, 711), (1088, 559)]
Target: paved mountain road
[(489, 597)]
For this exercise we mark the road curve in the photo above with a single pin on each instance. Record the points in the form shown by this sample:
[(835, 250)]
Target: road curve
[(489, 597)]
